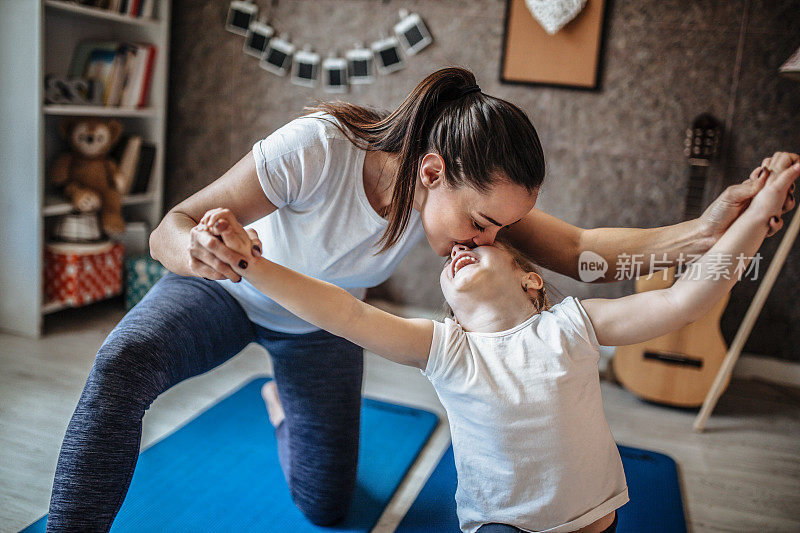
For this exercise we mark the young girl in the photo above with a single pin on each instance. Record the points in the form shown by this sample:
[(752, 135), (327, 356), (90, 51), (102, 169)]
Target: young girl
[(519, 382)]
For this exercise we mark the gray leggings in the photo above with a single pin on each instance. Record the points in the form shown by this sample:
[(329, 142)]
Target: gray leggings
[(186, 326)]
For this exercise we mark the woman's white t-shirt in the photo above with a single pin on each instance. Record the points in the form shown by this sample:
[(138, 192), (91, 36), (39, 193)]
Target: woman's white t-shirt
[(324, 226), (530, 438)]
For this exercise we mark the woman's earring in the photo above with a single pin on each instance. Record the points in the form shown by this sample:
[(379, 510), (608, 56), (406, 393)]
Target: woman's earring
[(525, 288)]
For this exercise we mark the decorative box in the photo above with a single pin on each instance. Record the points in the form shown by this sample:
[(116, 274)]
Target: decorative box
[(79, 274), (141, 273)]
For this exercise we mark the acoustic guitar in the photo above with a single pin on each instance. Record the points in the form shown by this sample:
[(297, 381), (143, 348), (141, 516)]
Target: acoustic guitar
[(679, 368)]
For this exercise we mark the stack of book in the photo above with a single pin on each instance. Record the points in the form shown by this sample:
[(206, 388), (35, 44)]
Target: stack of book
[(135, 159), (123, 70), (133, 8)]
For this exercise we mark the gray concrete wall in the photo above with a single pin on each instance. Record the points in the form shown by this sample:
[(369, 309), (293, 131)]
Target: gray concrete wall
[(614, 156)]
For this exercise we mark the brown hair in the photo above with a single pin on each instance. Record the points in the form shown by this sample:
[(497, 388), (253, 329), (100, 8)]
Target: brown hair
[(481, 139)]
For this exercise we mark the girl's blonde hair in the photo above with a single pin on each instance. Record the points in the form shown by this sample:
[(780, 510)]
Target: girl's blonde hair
[(540, 299)]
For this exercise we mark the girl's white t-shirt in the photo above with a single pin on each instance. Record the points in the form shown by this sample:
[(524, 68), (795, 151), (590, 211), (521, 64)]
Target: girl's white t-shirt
[(531, 442), (324, 226)]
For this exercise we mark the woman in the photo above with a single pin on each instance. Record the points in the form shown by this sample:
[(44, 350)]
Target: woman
[(349, 191)]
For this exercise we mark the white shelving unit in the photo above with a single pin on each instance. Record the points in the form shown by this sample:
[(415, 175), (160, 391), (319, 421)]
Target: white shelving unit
[(38, 38)]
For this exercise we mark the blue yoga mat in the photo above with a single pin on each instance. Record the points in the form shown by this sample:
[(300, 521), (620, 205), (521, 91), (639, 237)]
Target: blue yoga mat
[(220, 471), (655, 497)]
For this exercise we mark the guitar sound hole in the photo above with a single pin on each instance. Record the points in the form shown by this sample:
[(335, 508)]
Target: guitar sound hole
[(674, 359)]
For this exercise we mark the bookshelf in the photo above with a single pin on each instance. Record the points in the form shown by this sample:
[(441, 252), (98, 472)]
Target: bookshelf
[(38, 38)]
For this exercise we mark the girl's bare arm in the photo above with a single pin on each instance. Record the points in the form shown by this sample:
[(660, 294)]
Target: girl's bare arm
[(557, 245), (640, 317), (405, 341)]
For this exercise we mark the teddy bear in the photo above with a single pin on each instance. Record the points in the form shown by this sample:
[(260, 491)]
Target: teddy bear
[(90, 178)]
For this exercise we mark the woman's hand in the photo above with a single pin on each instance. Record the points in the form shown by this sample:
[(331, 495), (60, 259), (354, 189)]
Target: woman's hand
[(771, 199), (733, 200), (210, 257)]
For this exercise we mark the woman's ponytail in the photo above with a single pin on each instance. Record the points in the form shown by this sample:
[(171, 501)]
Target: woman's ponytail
[(447, 114)]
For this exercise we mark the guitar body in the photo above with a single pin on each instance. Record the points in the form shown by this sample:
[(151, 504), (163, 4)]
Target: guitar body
[(678, 368)]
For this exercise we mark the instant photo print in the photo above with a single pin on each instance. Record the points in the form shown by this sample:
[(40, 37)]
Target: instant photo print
[(334, 75), (412, 33), (240, 15), (305, 68), (258, 37), (278, 56), (388, 55), (360, 65)]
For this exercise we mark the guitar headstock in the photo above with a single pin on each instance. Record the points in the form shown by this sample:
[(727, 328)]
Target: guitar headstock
[(703, 138)]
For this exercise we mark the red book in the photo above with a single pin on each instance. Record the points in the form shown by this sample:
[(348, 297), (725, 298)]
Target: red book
[(148, 75), (133, 8)]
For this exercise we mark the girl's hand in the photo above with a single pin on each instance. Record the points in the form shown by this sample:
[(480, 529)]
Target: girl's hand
[(223, 224), (735, 199), (771, 199), (211, 258)]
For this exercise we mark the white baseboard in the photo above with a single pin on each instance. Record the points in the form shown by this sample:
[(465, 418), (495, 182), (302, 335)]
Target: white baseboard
[(768, 369)]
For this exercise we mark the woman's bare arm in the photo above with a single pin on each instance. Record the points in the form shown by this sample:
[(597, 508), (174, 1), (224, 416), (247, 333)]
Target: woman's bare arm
[(639, 317), (558, 245), (185, 250)]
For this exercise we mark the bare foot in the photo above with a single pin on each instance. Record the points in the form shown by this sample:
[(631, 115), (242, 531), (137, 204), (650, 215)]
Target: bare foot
[(270, 394)]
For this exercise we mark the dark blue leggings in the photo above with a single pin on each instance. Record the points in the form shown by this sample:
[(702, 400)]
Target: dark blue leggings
[(183, 327)]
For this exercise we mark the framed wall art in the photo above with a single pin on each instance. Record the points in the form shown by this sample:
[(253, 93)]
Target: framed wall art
[(569, 58)]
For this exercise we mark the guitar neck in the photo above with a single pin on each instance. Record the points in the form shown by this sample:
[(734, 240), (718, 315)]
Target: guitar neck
[(698, 170)]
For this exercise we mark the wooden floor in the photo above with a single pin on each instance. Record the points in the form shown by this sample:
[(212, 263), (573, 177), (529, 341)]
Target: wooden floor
[(743, 474)]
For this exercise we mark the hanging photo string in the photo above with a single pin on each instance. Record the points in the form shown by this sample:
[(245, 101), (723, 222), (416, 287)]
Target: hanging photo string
[(240, 15), (360, 65), (258, 36), (388, 55), (334, 74), (412, 32), (304, 67), (278, 56)]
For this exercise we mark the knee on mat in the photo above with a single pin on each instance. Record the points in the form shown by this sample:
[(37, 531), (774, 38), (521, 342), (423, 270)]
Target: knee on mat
[(324, 518), (323, 513)]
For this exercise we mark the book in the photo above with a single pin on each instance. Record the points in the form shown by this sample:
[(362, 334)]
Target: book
[(148, 75), (147, 156), (124, 70), (99, 68), (128, 163), (134, 76), (116, 152), (148, 8), (117, 75), (80, 56)]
